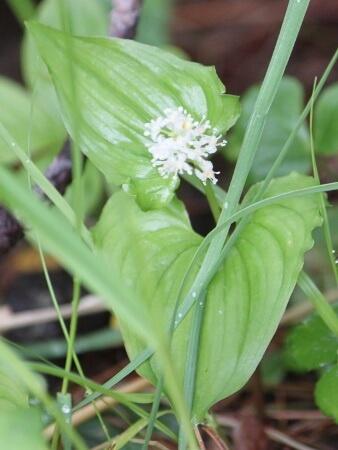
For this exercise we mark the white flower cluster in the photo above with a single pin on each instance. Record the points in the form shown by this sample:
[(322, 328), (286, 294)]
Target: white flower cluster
[(179, 144)]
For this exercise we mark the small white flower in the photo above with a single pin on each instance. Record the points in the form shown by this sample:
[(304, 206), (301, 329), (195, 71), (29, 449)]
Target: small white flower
[(180, 144)]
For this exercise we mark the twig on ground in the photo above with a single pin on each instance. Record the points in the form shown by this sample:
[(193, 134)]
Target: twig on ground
[(124, 18), (59, 173), (273, 434), (9, 321), (10, 231)]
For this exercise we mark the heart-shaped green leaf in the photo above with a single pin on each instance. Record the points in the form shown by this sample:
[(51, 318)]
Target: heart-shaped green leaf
[(246, 299), (120, 86)]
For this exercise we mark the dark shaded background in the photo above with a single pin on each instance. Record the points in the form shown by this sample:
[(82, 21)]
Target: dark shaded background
[(237, 37)]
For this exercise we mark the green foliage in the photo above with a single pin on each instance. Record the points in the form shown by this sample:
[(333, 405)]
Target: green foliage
[(144, 259), (113, 107), (326, 392), (20, 425), (311, 344), (83, 17), (326, 120), (21, 429), (282, 118), (80, 17), (151, 251), (22, 123), (13, 394), (153, 27)]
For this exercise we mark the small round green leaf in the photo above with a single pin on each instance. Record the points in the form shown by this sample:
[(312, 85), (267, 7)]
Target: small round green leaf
[(110, 88), (326, 393), (311, 344)]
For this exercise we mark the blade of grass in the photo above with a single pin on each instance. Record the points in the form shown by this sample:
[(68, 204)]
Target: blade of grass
[(184, 308), (320, 303), (124, 399), (290, 28), (13, 364), (326, 225), (44, 184), (220, 195), (60, 240)]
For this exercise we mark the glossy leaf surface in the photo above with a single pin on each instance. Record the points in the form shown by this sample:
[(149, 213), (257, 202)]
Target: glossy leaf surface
[(120, 86), (245, 300)]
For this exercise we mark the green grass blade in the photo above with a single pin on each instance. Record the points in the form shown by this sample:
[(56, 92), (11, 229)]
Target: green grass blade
[(44, 184), (288, 34), (59, 239), (320, 303)]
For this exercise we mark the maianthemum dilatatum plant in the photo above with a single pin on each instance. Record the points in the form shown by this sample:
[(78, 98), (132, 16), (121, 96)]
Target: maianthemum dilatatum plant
[(196, 314)]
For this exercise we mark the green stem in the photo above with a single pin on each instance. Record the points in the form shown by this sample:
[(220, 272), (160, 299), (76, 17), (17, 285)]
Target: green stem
[(39, 178), (72, 332), (153, 413), (320, 303), (212, 200), (326, 226), (191, 362), (291, 25)]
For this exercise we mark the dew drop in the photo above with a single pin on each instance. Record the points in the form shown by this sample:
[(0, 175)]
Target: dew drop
[(194, 294), (220, 311), (201, 303), (180, 315), (34, 401), (65, 409), (226, 205)]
